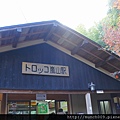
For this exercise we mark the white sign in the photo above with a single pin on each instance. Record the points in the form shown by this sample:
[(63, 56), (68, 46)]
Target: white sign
[(40, 96), (99, 91), (44, 69)]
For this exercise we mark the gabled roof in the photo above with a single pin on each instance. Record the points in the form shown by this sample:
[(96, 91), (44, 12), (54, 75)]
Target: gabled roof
[(53, 32)]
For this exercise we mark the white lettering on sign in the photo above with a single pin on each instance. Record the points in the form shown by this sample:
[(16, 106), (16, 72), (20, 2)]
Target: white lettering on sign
[(44, 69)]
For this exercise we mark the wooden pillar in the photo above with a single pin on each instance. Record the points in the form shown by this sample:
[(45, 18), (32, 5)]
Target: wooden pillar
[(4, 104), (69, 104), (88, 103), (0, 101)]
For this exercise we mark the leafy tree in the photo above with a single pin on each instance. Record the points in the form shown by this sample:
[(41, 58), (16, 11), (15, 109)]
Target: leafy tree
[(94, 33), (81, 29), (111, 27), (107, 31)]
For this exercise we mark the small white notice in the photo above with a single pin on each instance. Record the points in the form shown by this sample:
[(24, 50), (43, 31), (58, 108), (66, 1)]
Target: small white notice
[(40, 96), (99, 91)]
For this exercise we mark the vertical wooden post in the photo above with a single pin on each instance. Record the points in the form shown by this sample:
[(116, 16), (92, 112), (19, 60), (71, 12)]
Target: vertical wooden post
[(56, 106), (69, 104), (0, 101), (4, 104), (88, 103)]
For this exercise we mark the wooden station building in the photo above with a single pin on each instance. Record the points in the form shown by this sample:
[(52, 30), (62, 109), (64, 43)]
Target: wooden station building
[(50, 62)]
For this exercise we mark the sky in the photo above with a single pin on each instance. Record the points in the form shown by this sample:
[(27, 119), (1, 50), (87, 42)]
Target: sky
[(68, 12)]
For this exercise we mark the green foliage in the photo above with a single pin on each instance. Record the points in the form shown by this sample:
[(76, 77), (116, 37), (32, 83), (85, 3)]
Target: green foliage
[(111, 27), (106, 32), (81, 29), (94, 33), (112, 17)]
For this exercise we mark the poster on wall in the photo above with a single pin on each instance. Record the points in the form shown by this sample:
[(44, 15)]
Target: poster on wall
[(43, 108)]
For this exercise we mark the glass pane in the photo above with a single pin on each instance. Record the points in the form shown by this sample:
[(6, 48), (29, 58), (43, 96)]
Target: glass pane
[(33, 107), (51, 106), (63, 105), (18, 108), (102, 109), (107, 107)]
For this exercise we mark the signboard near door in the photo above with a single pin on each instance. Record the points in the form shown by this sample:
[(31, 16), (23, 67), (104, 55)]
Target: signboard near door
[(40, 96)]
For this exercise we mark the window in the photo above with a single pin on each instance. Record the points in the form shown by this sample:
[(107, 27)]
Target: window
[(104, 107), (61, 104)]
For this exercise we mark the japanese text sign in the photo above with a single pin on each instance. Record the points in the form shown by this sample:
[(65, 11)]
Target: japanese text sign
[(44, 69)]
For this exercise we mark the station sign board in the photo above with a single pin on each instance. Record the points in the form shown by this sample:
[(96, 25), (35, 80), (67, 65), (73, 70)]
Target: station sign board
[(44, 69)]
